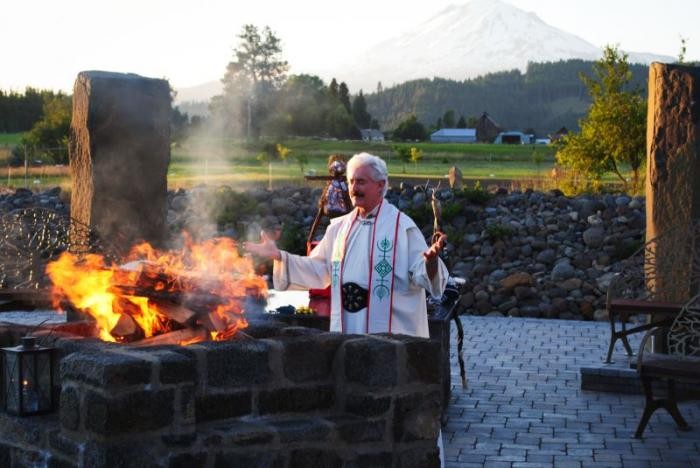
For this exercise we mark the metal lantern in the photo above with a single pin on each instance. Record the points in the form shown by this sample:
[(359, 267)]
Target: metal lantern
[(28, 378)]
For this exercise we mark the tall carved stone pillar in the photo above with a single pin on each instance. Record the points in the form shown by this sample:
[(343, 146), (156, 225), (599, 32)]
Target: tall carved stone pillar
[(119, 156), (673, 175)]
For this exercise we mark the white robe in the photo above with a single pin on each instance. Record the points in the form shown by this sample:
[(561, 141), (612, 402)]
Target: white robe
[(411, 279)]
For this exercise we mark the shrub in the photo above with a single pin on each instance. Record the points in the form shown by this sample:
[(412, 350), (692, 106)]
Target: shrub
[(498, 231), (229, 208), (475, 195), (450, 211)]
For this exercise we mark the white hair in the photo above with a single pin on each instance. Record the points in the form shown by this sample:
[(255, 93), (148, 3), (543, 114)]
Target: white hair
[(375, 163)]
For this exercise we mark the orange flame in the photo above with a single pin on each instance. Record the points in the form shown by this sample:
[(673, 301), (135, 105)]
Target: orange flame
[(210, 277)]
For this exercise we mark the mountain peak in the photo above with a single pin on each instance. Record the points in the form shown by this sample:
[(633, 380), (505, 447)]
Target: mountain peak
[(464, 41), (467, 40)]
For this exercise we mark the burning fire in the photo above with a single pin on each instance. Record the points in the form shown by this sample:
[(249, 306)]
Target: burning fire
[(198, 291)]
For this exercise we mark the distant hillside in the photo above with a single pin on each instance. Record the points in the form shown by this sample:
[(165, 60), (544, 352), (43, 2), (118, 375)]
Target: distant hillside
[(546, 97), (192, 108)]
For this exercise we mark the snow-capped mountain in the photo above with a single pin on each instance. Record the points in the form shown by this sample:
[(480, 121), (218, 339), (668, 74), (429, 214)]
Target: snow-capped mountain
[(462, 41), (468, 40)]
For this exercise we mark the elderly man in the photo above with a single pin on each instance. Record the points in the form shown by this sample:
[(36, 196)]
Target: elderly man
[(375, 259)]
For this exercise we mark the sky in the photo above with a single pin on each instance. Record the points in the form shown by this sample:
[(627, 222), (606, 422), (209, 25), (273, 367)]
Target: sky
[(47, 43)]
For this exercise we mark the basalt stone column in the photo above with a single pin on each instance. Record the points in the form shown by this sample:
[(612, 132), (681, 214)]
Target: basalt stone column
[(119, 155), (673, 168)]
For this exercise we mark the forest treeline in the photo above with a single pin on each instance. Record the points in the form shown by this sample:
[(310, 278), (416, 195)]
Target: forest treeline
[(544, 98), (20, 111)]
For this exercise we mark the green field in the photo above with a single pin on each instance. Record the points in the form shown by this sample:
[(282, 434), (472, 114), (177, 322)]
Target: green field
[(228, 161), (10, 139), (235, 163)]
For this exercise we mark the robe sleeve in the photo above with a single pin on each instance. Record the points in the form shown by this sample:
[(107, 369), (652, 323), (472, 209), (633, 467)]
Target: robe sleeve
[(298, 272), (418, 271)]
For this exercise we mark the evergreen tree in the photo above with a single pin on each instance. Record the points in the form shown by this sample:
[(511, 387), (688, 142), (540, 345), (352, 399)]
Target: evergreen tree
[(250, 81), (341, 125), (448, 119), (410, 129), (344, 96), (553, 91), (302, 106), (462, 122), (359, 111), (333, 89)]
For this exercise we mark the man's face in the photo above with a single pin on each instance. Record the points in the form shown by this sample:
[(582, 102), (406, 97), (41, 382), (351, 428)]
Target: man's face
[(365, 193)]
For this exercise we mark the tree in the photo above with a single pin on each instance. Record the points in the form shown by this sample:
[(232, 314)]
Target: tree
[(282, 151), (48, 138), (681, 54), (250, 81), (359, 111), (613, 134), (270, 151), (448, 119), (403, 153), (462, 122), (416, 155), (333, 88), (302, 105), (341, 125), (344, 96), (410, 129)]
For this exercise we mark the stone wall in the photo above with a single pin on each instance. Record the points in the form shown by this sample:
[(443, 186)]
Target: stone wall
[(290, 396), (523, 253)]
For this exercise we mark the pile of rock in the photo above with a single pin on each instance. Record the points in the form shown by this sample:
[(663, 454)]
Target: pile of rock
[(527, 254), (524, 254), (24, 198), (545, 255)]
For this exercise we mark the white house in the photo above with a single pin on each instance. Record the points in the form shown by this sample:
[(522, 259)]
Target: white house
[(371, 134), (454, 135)]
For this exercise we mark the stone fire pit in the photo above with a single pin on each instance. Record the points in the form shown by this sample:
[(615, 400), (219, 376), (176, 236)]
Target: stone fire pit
[(289, 396)]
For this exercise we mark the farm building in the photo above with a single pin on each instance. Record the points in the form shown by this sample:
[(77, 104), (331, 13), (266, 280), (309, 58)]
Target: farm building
[(454, 135), (486, 129), (371, 134), (514, 138), (559, 134)]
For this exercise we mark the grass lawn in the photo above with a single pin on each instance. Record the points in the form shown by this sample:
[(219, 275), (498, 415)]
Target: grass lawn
[(234, 163), (229, 161), (10, 139)]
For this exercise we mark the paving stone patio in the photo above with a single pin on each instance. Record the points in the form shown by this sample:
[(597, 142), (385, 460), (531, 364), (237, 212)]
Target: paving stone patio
[(524, 406)]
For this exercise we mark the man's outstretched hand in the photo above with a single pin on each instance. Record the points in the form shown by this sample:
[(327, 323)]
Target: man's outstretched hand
[(266, 248), (438, 244), (432, 253)]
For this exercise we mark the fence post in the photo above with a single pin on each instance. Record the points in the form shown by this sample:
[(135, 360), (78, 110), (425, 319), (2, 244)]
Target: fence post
[(26, 168)]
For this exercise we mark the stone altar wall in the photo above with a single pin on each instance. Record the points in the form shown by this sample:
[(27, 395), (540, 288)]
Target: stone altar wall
[(290, 397)]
